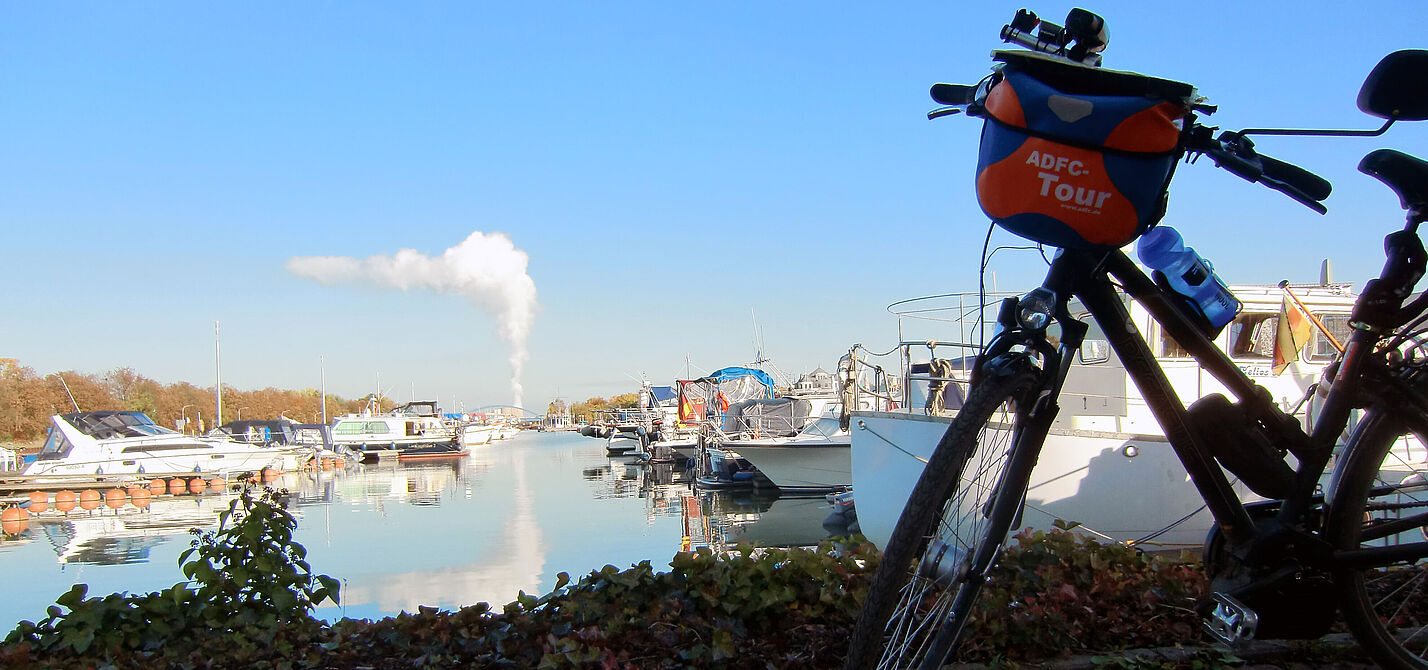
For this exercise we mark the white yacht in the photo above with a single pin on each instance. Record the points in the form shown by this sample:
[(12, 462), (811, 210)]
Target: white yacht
[(122, 442), (414, 430), (1107, 463), (816, 460)]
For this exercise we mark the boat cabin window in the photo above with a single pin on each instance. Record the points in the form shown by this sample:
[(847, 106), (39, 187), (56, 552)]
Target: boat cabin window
[(1252, 335), (113, 425), (57, 446), (360, 428), (171, 446), (1338, 324), (1166, 346)]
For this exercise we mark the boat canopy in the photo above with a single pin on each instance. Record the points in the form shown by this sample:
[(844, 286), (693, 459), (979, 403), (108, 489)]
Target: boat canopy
[(108, 424), (775, 417), (709, 397), (259, 431), (418, 408)]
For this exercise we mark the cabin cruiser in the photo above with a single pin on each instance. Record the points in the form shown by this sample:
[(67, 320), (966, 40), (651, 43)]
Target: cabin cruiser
[(124, 442), (413, 430), (282, 432), (1106, 464), (817, 459)]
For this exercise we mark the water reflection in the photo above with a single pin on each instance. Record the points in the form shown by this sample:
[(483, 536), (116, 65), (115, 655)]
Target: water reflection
[(106, 536), (722, 519), (505, 519)]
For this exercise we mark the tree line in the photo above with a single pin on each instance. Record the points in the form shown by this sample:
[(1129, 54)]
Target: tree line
[(28, 399), (586, 410)]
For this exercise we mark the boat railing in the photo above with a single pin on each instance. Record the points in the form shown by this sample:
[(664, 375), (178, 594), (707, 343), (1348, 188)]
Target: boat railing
[(938, 338), (626, 416), (10, 459)]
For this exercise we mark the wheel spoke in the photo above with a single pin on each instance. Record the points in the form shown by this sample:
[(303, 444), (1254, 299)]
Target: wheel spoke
[(925, 584)]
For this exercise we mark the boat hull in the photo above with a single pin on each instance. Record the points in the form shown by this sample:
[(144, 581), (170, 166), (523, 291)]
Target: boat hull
[(1120, 487), (801, 466)]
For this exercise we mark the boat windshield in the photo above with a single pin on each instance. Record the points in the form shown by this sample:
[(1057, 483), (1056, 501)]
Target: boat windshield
[(111, 425), (825, 426), (56, 446)]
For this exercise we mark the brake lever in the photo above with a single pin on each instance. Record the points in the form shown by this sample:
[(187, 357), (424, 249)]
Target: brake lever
[(944, 111), (1293, 192)]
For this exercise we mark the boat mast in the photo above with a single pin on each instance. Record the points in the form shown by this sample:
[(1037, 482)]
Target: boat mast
[(218, 376), (322, 367)]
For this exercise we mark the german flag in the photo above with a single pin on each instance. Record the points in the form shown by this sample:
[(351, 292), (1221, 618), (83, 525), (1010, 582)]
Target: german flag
[(1291, 336)]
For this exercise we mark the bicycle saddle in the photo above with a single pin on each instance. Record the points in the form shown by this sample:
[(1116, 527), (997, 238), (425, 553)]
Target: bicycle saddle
[(1406, 175)]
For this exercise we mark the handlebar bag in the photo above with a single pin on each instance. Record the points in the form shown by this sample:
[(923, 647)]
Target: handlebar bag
[(1075, 156)]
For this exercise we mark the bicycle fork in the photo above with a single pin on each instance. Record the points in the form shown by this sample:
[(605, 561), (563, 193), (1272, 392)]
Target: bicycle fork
[(1007, 499)]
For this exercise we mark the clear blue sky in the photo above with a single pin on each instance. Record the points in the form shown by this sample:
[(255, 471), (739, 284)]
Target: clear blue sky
[(670, 170)]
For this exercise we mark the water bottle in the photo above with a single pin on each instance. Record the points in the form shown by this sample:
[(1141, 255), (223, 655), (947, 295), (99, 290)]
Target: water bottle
[(1189, 274)]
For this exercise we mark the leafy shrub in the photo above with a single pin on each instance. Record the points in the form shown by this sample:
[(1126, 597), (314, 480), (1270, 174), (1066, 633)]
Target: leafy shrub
[(1055, 592), (745, 609), (250, 593), (1052, 593)]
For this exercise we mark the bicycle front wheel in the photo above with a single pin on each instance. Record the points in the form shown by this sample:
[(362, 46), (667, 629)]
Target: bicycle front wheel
[(950, 532), (1381, 502)]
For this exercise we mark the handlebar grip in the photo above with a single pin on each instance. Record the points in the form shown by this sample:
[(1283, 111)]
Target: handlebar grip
[(1307, 182), (953, 94)]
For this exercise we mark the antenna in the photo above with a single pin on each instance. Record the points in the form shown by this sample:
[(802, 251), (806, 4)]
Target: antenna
[(66, 392), (758, 341)]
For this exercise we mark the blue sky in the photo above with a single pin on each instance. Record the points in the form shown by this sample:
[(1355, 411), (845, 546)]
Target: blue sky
[(672, 172)]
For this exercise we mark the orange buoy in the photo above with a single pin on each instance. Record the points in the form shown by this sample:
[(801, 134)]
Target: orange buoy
[(158, 487), (37, 506), (133, 489), (64, 500), (14, 521), (89, 499), (339, 463), (197, 485), (217, 484), (270, 474), (115, 498), (38, 496), (141, 497), (177, 485), (326, 464)]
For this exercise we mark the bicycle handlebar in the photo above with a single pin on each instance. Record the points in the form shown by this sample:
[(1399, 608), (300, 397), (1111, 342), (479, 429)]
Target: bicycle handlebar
[(1235, 152)]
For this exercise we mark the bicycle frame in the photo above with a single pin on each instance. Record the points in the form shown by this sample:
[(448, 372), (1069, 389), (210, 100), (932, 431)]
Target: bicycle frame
[(1092, 277)]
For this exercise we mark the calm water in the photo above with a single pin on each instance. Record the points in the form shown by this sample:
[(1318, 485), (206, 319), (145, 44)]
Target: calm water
[(505, 519)]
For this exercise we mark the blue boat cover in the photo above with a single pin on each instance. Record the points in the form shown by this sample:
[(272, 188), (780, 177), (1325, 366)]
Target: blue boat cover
[(736, 372), (663, 393)]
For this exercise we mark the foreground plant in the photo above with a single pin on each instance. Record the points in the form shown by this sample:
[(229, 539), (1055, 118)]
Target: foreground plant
[(248, 584), (249, 605), (1057, 592)]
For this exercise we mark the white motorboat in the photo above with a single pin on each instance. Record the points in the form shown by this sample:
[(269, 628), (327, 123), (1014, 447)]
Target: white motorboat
[(123, 442), (413, 430), (476, 434), (1106, 464), (816, 460), (625, 443)]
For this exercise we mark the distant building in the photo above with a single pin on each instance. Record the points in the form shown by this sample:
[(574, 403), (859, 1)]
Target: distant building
[(818, 380)]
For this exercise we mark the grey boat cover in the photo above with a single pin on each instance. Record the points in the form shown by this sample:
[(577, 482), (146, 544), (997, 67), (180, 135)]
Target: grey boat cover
[(776, 417)]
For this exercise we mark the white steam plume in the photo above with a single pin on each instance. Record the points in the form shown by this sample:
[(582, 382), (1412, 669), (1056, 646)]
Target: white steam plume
[(486, 269)]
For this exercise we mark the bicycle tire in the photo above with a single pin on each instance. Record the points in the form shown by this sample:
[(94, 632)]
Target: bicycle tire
[(919, 600), (1386, 608)]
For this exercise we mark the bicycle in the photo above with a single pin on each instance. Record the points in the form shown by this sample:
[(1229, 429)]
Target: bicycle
[(1279, 569)]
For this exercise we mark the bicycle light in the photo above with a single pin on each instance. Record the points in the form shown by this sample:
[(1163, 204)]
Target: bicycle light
[(1034, 311)]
